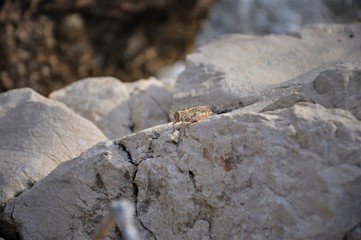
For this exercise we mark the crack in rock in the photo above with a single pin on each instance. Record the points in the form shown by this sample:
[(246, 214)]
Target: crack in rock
[(135, 186), (129, 155), (8, 229)]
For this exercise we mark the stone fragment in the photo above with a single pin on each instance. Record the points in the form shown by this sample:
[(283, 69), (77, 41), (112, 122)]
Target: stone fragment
[(231, 72), (37, 134)]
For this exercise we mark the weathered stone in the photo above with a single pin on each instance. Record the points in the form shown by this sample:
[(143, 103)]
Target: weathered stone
[(150, 103), (286, 174), (37, 134), (292, 173), (75, 196), (231, 72), (334, 86), (118, 108), (102, 100), (354, 234)]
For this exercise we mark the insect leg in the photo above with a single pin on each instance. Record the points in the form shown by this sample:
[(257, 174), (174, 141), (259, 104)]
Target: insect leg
[(174, 127), (184, 126)]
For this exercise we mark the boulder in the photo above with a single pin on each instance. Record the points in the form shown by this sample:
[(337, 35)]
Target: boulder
[(290, 173), (79, 193), (37, 134), (101, 100), (231, 72), (118, 108)]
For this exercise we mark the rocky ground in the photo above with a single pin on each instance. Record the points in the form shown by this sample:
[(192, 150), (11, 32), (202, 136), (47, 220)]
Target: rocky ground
[(278, 159)]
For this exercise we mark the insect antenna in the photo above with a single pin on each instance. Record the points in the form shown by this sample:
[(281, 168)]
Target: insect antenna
[(164, 110)]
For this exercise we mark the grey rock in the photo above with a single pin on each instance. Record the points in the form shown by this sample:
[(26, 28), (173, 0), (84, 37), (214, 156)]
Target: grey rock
[(335, 86), (285, 174), (37, 134), (150, 103), (232, 71), (354, 234), (276, 16), (291, 173), (101, 100), (118, 108), (71, 201)]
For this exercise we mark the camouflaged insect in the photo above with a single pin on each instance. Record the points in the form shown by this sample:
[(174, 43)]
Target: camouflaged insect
[(190, 115)]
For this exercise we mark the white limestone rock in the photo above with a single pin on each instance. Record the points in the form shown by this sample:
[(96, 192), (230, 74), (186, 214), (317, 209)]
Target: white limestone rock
[(70, 202), (118, 108), (230, 72), (292, 173), (150, 101), (287, 174), (334, 86), (37, 134), (102, 100)]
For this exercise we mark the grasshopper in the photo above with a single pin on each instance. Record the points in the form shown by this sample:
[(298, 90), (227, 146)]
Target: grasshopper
[(185, 116), (190, 115)]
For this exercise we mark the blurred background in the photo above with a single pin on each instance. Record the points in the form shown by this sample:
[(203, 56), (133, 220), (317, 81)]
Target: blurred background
[(47, 44)]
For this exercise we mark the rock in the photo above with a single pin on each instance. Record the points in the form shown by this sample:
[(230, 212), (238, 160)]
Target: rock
[(37, 134), (335, 86), (172, 71), (290, 173), (101, 100), (279, 175), (354, 234), (150, 102), (79, 192), (118, 108), (231, 72), (277, 16)]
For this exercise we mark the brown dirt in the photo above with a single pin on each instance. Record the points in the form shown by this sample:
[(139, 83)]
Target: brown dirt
[(46, 45)]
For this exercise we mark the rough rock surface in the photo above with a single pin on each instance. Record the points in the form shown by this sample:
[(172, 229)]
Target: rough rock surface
[(118, 108), (231, 72), (335, 86), (150, 102), (292, 173), (101, 100), (37, 134)]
